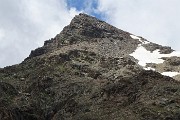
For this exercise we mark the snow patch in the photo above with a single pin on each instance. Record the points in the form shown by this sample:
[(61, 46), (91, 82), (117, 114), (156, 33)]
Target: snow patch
[(144, 56), (146, 42), (135, 37), (170, 74), (142, 42), (149, 68)]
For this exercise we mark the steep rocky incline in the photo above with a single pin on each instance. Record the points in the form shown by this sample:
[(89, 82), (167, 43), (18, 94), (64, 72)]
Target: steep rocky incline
[(90, 33), (92, 71)]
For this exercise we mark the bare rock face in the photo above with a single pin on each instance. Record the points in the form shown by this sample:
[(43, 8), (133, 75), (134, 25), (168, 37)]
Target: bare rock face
[(7, 89), (174, 61), (163, 49), (85, 29), (86, 73)]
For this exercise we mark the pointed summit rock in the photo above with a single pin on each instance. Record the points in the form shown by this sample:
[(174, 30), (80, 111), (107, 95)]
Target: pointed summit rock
[(88, 26), (85, 28)]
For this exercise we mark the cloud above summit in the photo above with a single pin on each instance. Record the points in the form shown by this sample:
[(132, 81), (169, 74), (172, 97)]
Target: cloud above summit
[(25, 24), (155, 20)]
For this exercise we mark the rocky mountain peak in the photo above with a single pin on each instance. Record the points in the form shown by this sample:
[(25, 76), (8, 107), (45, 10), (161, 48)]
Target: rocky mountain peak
[(91, 27), (93, 71), (85, 28)]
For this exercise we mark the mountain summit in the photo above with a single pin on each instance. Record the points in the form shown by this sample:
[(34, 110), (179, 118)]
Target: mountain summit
[(93, 71), (87, 29)]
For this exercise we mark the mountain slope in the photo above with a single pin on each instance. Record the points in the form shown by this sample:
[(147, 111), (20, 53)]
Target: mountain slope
[(91, 71)]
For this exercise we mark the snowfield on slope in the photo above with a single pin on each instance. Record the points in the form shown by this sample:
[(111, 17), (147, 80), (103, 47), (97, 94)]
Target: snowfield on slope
[(144, 56), (170, 74)]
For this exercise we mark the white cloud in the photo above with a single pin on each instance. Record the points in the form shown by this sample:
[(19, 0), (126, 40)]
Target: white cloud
[(2, 34), (25, 24), (89, 6), (158, 21)]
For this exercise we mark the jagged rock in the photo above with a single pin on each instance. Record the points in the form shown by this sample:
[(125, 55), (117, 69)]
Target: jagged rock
[(7, 89), (37, 52), (174, 61), (162, 49)]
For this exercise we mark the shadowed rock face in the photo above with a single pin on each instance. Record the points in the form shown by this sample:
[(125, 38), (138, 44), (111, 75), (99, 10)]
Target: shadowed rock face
[(86, 73)]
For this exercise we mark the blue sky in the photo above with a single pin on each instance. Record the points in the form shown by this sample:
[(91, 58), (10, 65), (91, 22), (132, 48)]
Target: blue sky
[(87, 6), (26, 24), (78, 4)]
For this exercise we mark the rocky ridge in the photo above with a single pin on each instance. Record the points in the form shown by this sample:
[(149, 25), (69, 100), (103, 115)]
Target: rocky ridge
[(88, 72)]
